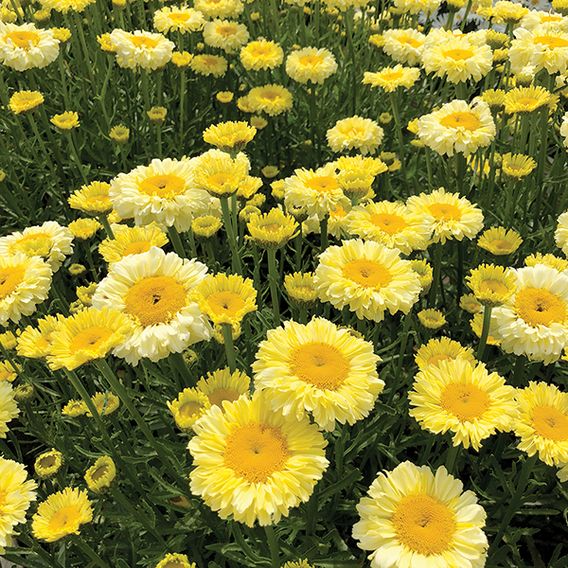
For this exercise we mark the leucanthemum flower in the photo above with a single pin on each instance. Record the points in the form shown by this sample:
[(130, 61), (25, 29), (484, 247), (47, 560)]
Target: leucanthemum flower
[(390, 79), (500, 241), (84, 228), (542, 424), (141, 49), (190, 405), (528, 99), (534, 321), (163, 192), (462, 398), (560, 264), (17, 492), (318, 368), (492, 285), (35, 342), (543, 47), (50, 241), (273, 229), (367, 277), (24, 283), (153, 289), (457, 127), (92, 198), (417, 6), (261, 54), (270, 99), (8, 407), (404, 45), (24, 46), (65, 6), (24, 101), (48, 464), (9, 371), (175, 561), (62, 514), (561, 233), (206, 226), (252, 463), (207, 65), (431, 318), (311, 64), (86, 336), (413, 517), (225, 34), (391, 224), (219, 173), (454, 217), (219, 8), (442, 349), (131, 240), (105, 403), (424, 271), (229, 135), (221, 385), (178, 19), (356, 132), (101, 474), (300, 287)]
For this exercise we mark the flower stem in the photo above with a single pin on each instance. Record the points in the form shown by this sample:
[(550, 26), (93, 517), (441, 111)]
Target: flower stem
[(484, 331), (273, 279), (230, 227), (103, 219), (229, 346), (451, 457), (324, 239), (273, 546), (176, 241)]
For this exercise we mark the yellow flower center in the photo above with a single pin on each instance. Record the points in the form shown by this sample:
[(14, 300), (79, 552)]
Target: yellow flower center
[(367, 273), (91, 339), (458, 54), (319, 364), (99, 473), (23, 39), (311, 60), (64, 520), (189, 409), (461, 119), (175, 564), (225, 303), (465, 401), (501, 244), (409, 41), (391, 75), (445, 211), (435, 359), (530, 102), (323, 183), (389, 222), (551, 423), (47, 462), (36, 244), (136, 247), (10, 278), (221, 394), (494, 286), (179, 17), (143, 42), (155, 299), (256, 451), (424, 524), (552, 42), (226, 30), (539, 306), (166, 186)]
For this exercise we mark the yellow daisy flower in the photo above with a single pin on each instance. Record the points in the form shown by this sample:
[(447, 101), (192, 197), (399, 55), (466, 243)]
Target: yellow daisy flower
[(300, 287), (24, 101), (311, 64), (92, 198), (131, 240), (175, 561), (561, 233), (229, 136), (273, 229), (141, 49), (66, 120), (491, 285), (442, 349), (101, 474), (425, 273), (105, 403), (270, 99), (84, 228), (179, 19), (8, 407), (209, 65), (221, 385), (431, 318), (555, 262), (404, 45), (48, 464), (390, 79), (500, 241), (190, 405), (356, 132), (9, 371), (528, 99), (227, 35), (261, 54), (24, 46), (219, 173)]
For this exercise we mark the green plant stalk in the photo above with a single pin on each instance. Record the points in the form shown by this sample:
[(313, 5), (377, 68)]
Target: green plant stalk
[(437, 273), (273, 546), (273, 280), (484, 331), (398, 123), (324, 237), (103, 219), (451, 457), (88, 550), (231, 235), (230, 352), (176, 241)]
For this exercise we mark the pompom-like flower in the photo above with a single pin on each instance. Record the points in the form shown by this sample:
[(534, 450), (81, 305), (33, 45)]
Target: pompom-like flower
[(48, 464), (356, 132), (140, 49), (390, 79), (175, 561), (101, 474), (431, 354), (221, 385), (544, 47), (131, 240), (225, 34), (311, 64), (24, 101), (528, 99), (92, 198), (261, 54), (404, 45), (188, 407), (491, 285), (220, 174), (24, 46), (500, 241), (229, 135), (417, 6), (273, 229), (431, 318), (270, 99), (178, 19)]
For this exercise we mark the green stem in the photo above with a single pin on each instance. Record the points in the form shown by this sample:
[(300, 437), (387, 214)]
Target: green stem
[(229, 346), (484, 331), (324, 237), (231, 234), (273, 279), (175, 238), (398, 122), (273, 546), (451, 457), (437, 272), (88, 550), (103, 219)]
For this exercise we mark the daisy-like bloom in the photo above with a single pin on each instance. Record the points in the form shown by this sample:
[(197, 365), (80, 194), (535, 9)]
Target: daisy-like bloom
[(190, 405), (253, 463), (62, 514), (537, 17), (141, 49), (48, 463), (356, 132), (209, 65), (219, 173), (181, 59), (179, 19), (431, 354), (500, 241), (492, 285), (424, 271), (24, 46), (92, 198), (561, 233), (175, 561), (131, 240), (458, 59), (391, 224), (495, 98), (270, 99), (505, 12), (542, 424), (311, 64), (163, 192), (17, 494), (431, 318), (220, 8), (157, 114), (87, 335), (35, 342), (66, 120), (417, 6), (318, 368), (105, 403), (300, 288), (273, 229), (390, 79), (457, 127), (261, 54), (84, 228), (225, 34), (24, 283), (229, 135), (225, 298), (454, 217), (74, 408), (555, 262), (9, 340), (534, 321), (65, 6), (367, 277), (50, 241), (153, 289), (224, 97), (316, 192), (221, 385), (298, 564), (8, 407), (544, 47), (101, 474), (462, 398), (9, 371), (205, 226), (404, 45), (528, 99), (24, 101), (413, 517)]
